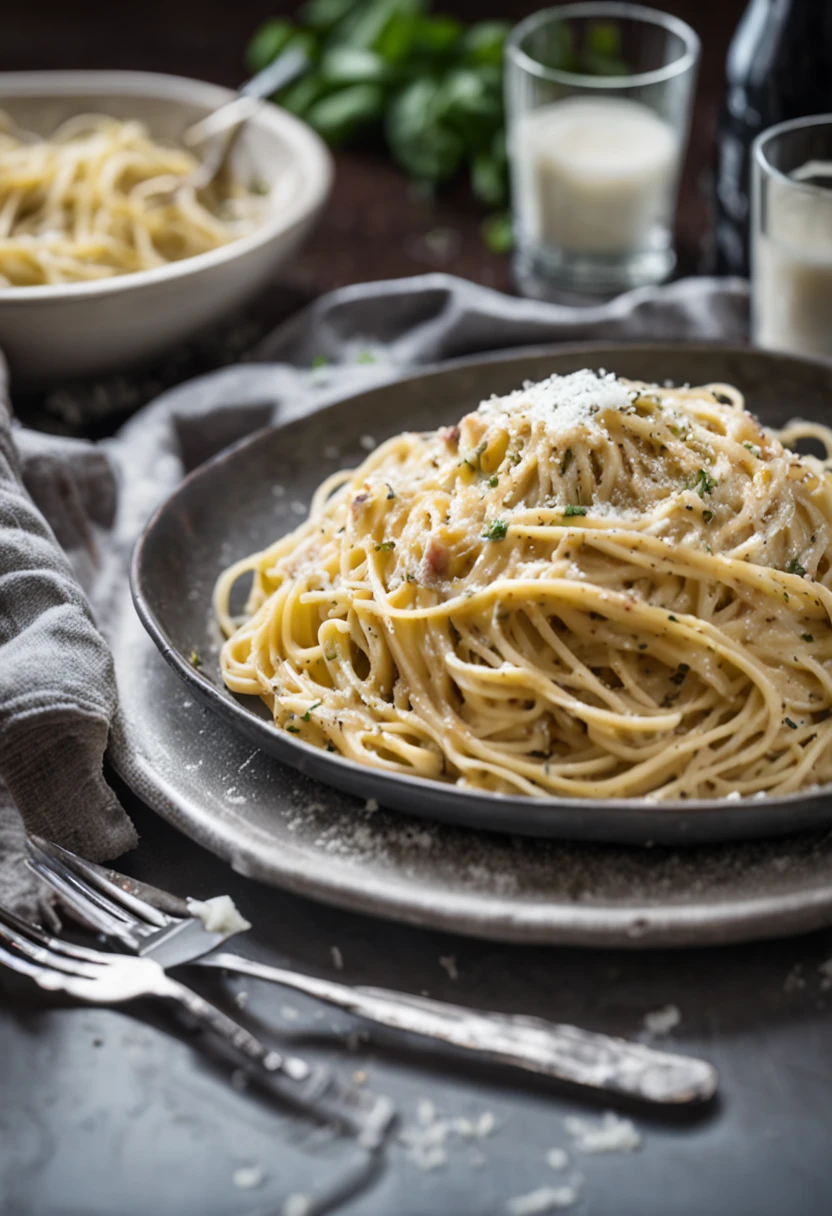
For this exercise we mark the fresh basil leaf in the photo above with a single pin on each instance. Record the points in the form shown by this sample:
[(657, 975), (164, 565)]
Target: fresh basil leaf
[(604, 38), (426, 147), (437, 35), (339, 115), (489, 179), (395, 42), (483, 42), (497, 232), (467, 104), (367, 24), (602, 52), (298, 97), (349, 65), (267, 43), (322, 15)]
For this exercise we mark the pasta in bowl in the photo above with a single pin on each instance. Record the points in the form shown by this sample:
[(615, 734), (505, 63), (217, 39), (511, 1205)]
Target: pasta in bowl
[(100, 197), (108, 264), (588, 588)]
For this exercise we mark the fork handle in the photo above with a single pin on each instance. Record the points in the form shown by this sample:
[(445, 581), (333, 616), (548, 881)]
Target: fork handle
[(567, 1053), (315, 1088)]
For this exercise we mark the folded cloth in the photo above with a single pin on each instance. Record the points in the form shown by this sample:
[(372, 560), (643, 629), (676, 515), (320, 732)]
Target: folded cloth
[(66, 534)]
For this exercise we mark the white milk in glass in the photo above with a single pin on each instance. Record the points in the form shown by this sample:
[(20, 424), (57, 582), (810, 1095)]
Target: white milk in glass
[(793, 266), (595, 175)]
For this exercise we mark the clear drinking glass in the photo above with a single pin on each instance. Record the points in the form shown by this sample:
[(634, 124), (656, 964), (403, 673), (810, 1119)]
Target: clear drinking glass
[(598, 101), (791, 241)]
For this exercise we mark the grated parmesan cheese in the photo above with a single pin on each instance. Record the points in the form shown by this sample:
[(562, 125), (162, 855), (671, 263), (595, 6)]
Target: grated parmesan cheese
[(544, 1199), (248, 1176), (610, 1134), (662, 1021), (562, 403)]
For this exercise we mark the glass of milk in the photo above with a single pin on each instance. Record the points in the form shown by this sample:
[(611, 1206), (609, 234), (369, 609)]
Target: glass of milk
[(791, 242), (598, 102)]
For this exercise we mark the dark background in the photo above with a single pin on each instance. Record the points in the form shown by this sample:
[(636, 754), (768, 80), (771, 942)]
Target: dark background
[(374, 226)]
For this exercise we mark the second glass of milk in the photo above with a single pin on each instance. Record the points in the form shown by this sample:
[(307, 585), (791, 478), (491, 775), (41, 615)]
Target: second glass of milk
[(598, 100), (791, 246)]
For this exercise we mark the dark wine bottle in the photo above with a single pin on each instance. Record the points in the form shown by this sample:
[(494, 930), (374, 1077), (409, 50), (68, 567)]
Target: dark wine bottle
[(779, 67)]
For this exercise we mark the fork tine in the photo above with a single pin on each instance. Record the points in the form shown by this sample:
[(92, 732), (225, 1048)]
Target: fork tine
[(34, 945), (90, 912), (95, 879)]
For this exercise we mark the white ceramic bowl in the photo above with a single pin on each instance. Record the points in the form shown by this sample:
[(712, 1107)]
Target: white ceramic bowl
[(59, 332)]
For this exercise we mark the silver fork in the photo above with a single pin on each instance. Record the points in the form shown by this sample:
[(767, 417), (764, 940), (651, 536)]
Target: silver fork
[(132, 913), (100, 978)]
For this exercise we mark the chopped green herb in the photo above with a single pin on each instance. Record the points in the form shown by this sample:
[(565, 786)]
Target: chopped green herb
[(515, 457), (568, 457), (305, 717), (320, 361), (493, 480), (259, 186), (794, 567), (807, 637), (496, 530), (410, 578), (497, 232), (671, 617), (707, 516), (791, 725), (391, 493), (753, 449), (642, 645), (367, 356), (385, 546), (331, 656), (572, 510), (679, 674), (194, 659), (294, 730), (704, 483)]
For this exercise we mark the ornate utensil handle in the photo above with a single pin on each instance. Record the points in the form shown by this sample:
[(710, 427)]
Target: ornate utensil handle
[(565, 1052)]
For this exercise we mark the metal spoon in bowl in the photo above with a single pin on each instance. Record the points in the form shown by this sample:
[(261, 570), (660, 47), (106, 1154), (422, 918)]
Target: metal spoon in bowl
[(222, 126)]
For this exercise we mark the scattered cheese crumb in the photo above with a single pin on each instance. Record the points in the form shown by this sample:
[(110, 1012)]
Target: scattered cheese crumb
[(662, 1021), (371, 805), (427, 1140), (795, 980), (218, 915), (367, 442), (337, 958), (248, 1176), (297, 1205), (289, 1013), (448, 963), (241, 999), (544, 1199), (299, 508), (825, 971), (610, 1134), (332, 451), (360, 1077), (557, 1159)]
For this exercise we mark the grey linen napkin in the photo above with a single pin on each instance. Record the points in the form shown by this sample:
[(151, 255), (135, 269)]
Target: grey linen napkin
[(70, 511)]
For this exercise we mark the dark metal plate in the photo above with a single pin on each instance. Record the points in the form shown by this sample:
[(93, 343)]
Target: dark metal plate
[(230, 507)]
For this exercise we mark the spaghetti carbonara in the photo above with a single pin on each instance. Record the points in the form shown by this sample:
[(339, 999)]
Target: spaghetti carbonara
[(588, 588), (101, 198)]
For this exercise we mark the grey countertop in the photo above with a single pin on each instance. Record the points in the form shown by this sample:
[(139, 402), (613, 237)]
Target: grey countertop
[(116, 1113)]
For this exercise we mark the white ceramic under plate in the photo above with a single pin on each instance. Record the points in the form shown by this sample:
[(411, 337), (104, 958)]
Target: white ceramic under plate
[(83, 329)]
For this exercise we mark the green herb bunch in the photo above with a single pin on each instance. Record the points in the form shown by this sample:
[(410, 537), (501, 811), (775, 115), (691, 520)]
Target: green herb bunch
[(431, 85)]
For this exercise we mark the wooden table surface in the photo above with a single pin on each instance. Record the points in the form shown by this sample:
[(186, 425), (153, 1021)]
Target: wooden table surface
[(375, 225)]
